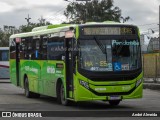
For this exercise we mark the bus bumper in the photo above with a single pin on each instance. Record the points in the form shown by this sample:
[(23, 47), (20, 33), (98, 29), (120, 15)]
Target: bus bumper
[(83, 94)]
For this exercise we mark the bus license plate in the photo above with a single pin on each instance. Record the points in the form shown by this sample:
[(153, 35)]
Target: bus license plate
[(115, 98)]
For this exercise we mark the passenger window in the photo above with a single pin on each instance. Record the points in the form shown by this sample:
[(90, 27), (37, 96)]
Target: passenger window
[(43, 47), (56, 48), (36, 46)]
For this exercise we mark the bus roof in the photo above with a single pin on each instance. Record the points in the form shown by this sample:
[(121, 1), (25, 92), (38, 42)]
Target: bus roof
[(108, 23), (61, 27), (49, 27), (42, 32)]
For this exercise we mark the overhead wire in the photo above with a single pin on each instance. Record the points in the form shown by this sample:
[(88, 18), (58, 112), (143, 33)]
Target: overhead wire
[(57, 14), (147, 24)]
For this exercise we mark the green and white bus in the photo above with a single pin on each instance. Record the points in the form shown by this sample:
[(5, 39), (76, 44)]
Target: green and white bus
[(86, 62)]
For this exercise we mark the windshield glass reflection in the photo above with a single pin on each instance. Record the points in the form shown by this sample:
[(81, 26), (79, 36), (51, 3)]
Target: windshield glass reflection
[(109, 55)]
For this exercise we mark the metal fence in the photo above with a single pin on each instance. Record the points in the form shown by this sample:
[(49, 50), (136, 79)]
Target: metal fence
[(151, 67)]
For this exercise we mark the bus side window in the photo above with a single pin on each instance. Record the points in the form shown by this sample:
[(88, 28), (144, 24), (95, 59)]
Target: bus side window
[(56, 48), (27, 48), (23, 48), (12, 49), (43, 47), (36, 48), (4, 55)]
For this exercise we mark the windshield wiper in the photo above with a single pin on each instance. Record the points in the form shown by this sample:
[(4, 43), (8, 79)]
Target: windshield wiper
[(120, 47), (101, 46)]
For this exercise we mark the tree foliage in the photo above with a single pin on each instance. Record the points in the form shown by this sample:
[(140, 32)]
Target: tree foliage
[(5, 34), (28, 28), (4, 38), (96, 10)]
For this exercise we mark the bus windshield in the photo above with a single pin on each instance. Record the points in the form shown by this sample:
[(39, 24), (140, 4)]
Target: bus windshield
[(109, 55)]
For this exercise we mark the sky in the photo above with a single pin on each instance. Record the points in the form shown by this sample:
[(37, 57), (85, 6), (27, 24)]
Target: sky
[(144, 13)]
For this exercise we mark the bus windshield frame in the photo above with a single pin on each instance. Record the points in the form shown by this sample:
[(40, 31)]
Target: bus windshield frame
[(131, 40)]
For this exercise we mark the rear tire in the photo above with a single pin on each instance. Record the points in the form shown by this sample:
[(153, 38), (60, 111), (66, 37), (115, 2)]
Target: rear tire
[(61, 95), (27, 92), (114, 102)]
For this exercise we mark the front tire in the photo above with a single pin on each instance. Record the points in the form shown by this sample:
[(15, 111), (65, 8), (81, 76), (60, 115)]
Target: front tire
[(114, 102)]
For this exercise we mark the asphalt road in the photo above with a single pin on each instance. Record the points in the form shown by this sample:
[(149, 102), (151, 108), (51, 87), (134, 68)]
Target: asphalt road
[(13, 99)]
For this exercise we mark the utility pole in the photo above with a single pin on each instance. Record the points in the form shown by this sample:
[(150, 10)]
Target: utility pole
[(28, 18)]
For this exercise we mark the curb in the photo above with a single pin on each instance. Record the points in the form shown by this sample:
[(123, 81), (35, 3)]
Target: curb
[(152, 86), (5, 81)]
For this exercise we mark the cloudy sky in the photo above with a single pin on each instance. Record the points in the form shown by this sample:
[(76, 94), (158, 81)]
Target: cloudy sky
[(144, 13)]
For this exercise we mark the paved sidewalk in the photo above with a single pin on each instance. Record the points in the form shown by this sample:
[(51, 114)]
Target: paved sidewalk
[(150, 83), (152, 86)]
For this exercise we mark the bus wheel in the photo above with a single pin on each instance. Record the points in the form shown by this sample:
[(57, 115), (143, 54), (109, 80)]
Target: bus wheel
[(28, 93), (114, 102), (61, 95)]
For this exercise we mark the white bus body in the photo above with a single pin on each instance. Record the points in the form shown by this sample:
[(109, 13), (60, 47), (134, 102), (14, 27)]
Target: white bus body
[(4, 62)]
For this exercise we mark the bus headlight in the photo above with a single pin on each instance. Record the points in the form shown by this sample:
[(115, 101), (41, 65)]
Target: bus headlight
[(84, 84), (138, 82)]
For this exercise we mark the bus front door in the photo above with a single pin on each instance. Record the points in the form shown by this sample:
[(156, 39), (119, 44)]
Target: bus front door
[(69, 67)]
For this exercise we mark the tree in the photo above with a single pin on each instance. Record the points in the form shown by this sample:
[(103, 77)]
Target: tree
[(4, 38), (125, 19), (6, 33), (96, 10)]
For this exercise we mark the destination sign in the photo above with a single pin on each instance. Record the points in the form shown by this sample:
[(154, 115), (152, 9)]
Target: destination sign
[(108, 31)]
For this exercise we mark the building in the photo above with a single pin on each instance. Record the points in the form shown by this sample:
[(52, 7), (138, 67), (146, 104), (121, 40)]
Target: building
[(153, 45), (143, 45)]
